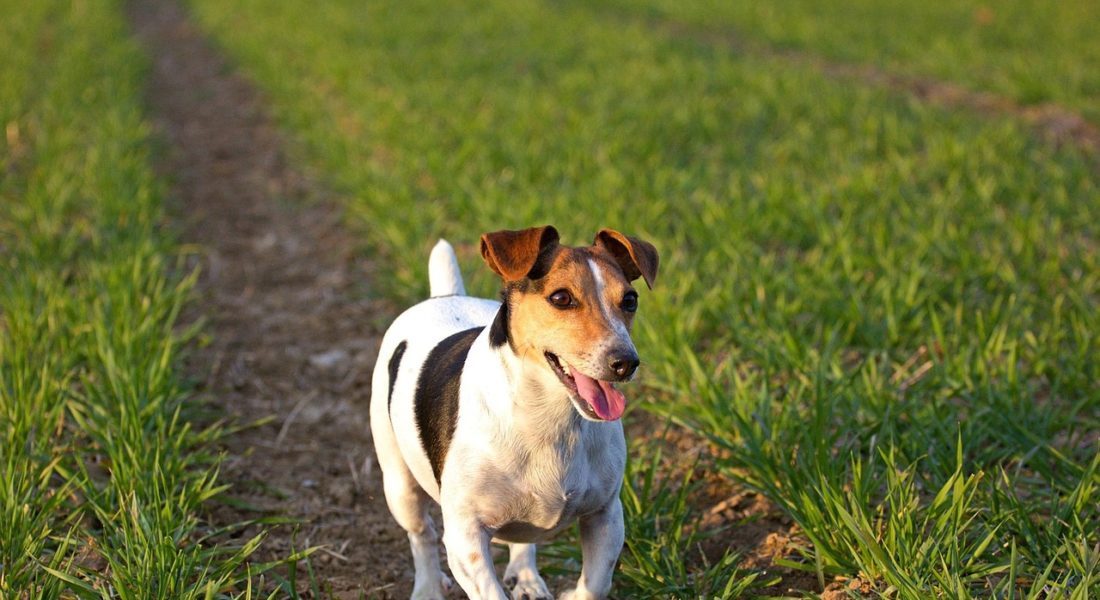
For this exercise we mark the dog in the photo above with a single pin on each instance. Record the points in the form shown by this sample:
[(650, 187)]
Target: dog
[(506, 413)]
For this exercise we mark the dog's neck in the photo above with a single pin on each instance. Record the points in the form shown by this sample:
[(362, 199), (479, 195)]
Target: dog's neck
[(534, 404)]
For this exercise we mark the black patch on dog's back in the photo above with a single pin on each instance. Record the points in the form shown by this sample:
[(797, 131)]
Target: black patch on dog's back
[(436, 400), (395, 364)]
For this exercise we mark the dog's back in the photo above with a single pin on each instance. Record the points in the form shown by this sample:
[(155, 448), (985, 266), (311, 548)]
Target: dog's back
[(436, 329)]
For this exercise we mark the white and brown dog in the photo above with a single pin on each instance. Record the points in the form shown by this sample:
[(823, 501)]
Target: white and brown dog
[(506, 413)]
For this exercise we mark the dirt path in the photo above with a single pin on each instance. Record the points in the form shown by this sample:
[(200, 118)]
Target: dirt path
[(293, 335)]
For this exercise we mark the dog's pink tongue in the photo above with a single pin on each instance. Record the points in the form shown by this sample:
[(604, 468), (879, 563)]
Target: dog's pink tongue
[(608, 402)]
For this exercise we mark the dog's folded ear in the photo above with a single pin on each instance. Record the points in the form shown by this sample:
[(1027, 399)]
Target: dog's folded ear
[(513, 254), (637, 258)]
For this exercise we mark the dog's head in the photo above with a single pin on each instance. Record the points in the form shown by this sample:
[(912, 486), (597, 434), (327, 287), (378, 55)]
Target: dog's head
[(569, 310)]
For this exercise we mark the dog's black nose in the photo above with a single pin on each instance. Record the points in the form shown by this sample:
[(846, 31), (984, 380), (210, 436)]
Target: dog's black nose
[(624, 363)]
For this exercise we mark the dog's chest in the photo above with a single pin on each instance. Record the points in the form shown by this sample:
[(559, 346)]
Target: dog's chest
[(551, 492), (537, 515)]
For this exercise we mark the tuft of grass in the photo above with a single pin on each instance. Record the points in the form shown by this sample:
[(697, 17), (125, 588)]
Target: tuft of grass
[(102, 476), (884, 313), (663, 556)]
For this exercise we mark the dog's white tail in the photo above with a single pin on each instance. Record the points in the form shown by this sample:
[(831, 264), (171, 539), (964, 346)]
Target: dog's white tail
[(444, 276)]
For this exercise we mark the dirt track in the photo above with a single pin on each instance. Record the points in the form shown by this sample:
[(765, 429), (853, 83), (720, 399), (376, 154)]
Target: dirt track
[(292, 326)]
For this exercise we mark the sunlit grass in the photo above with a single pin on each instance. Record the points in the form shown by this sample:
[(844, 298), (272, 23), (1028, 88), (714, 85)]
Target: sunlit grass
[(102, 476), (1027, 50), (884, 313)]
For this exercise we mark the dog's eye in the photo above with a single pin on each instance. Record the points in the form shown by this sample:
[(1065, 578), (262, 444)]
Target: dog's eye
[(630, 302), (561, 299)]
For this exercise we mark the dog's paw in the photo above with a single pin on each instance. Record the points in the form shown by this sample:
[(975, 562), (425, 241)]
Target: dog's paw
[(527, 585), (432, 590)]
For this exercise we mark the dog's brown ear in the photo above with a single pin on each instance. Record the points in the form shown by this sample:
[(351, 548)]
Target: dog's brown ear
[(637, 258), (512, 254)]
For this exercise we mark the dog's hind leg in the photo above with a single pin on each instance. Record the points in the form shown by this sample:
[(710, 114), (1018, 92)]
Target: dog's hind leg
[(522, 575), (408, 502), (409, 506)]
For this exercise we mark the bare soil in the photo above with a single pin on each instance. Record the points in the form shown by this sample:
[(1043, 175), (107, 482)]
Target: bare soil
[(292, 327)]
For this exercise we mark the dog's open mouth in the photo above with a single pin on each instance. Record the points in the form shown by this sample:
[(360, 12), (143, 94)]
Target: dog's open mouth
[(601, 401)]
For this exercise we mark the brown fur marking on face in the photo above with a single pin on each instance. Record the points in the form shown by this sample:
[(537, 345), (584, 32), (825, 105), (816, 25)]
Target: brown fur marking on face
[(536, 326)]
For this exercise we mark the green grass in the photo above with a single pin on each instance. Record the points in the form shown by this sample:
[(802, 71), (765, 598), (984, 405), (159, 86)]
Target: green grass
[(102, 478), (885, 312), (1028, 50)]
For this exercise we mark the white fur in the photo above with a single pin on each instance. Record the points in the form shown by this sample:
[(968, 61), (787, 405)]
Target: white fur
[(444, 276), (620, 334), (522, 464)]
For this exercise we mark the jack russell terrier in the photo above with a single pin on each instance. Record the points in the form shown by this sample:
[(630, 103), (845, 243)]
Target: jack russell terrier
[(506, 413)]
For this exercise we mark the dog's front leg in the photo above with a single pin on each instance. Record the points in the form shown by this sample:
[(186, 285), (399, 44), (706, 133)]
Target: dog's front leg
[(468, 555), (601, 543)]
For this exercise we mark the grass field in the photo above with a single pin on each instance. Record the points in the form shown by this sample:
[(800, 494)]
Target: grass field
[(884, 313), (101, 474), (1028, 50)]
